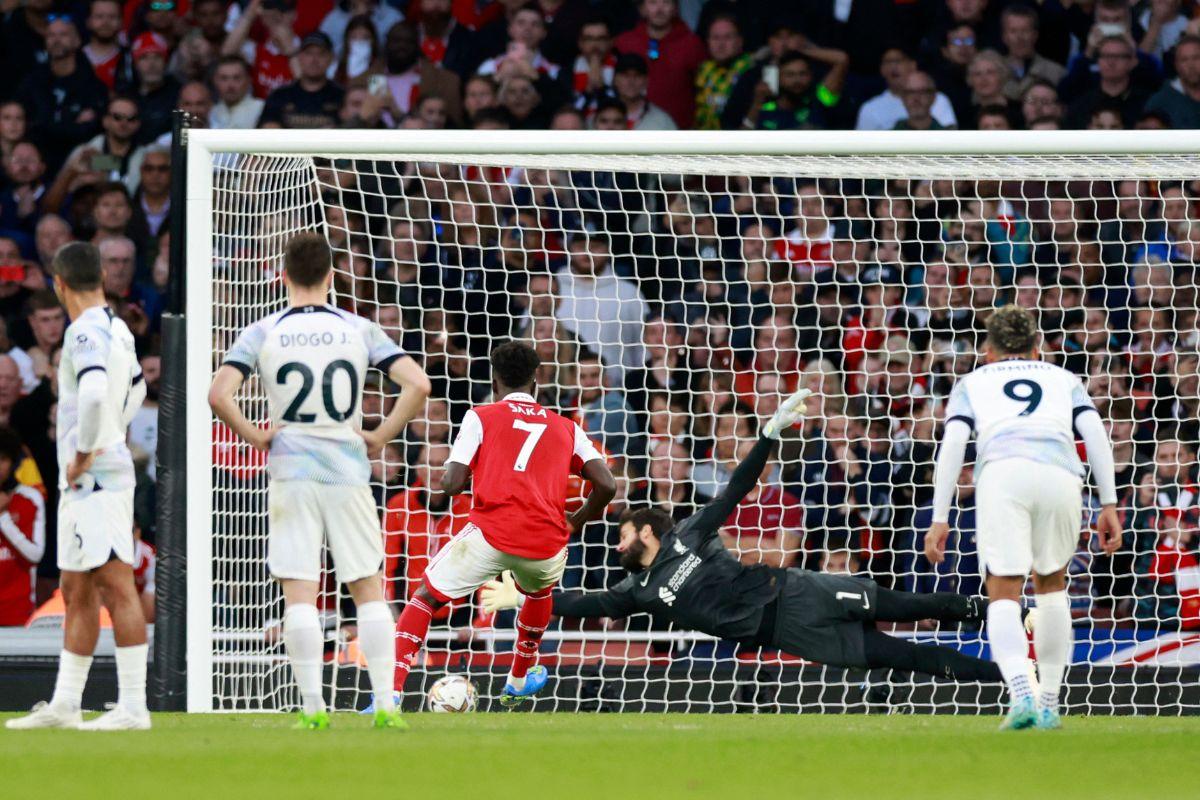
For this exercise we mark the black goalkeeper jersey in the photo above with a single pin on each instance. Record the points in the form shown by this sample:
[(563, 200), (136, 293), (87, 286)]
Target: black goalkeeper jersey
[(694, 581)]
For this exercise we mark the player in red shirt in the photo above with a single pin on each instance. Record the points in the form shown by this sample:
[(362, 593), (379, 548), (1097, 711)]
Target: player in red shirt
[(22, 534), (519, 457)]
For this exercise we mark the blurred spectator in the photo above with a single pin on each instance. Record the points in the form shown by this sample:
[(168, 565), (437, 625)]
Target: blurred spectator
[(336, 22), (112, 154), (236, 107), (192, 59), (602, 411), (12, 127), (63, 97), (668, 474), (767, 527), (47, 322), (22, 532), (523, 57), (610, 115), (144, 566), (717, 75), (674, 54), (144, 303), (52, 232), (949, 70), (1116, 59), (410, 76), (1179, 100), (361, 52), (798, 103), (444, 41), (10, 388), (629, 83), (152, 200), (1164, 26), (988, 77), (918, 92), (22, 201), (603, 310), (1040, 102), (993, 118), (883, 111), (312, 100), (209, 17), (196, 99), (270, 59), (1019, 30), (104, 52), (157, 90), (23, 35), (592, 77)]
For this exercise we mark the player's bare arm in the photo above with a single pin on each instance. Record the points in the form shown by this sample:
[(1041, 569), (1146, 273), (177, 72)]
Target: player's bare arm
[(604, 489), (455, 478), (414, 390), (221, 398)]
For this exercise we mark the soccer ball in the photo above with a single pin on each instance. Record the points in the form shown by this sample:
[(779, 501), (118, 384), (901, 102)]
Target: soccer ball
[(452, 694)]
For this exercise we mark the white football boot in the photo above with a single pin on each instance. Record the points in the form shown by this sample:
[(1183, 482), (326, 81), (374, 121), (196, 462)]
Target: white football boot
[(118, 719), (45, 715)]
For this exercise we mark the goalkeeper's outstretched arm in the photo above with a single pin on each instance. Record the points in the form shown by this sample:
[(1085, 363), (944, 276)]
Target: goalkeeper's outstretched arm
[(710, 518)]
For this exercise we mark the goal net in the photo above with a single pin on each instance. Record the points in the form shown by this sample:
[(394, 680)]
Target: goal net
[(676, 287)]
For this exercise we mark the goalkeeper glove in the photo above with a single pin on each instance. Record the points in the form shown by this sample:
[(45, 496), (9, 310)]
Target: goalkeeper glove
[(788, 414), (499, 595)]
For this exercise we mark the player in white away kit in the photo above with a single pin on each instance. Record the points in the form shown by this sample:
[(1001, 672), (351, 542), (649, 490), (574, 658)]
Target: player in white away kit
[(313, 360), (1029, 484), (100, 387)]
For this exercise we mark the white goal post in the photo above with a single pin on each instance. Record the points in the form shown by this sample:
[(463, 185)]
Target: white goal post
[(738, 263)]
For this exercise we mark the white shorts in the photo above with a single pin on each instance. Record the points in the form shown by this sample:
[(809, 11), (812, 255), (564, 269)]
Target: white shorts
[(467, 562), (306, 514), (1027, 517), (93, 528)]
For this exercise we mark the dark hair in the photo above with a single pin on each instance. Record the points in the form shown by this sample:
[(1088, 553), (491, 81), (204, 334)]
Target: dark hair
[(307, 259), (1021, 10), (794, 55), (43, 300), (231, 59), (514, 365), (11, 447), (659, 521), (496, 116), (1012, 330), (78, 264), (605, 103)]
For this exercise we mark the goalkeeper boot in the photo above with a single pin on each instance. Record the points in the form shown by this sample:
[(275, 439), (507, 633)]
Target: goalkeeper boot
[(1022, 714), (535, 680), (46, 715), (1048, 719), (389, 719), (118, 718), (318, 721)]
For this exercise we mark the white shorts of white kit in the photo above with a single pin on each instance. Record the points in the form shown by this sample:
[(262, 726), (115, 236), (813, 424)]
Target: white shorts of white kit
[(306, 514), (93, 528), (1027, 517), (467, 562)]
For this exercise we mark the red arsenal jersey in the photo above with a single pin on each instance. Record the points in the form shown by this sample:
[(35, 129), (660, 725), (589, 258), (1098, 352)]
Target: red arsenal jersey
[(22, 542), (521, 457)]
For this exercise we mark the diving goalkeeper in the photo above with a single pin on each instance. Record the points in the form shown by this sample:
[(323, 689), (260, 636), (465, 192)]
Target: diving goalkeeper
[(683, 573)]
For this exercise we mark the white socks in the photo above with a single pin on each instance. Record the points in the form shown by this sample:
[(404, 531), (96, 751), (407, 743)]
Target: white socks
[(303, 639), (131, 677), (377, 640), (1010, 647), (516, 683), (72, 677), (1052, 642)]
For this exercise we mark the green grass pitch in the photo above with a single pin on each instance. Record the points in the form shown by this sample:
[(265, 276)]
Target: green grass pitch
[(571, 757)]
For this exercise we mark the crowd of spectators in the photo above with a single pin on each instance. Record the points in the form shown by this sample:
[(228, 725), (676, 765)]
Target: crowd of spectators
[(671, 311)]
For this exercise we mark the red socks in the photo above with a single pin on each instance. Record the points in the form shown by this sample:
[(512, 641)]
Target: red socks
[(531, 624), (411, 630)]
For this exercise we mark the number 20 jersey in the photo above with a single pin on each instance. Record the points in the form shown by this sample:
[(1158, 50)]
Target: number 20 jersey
[(521, 456), (1022, 409), (312, 361)]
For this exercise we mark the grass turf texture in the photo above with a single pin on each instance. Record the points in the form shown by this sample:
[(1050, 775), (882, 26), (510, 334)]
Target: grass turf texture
[(506, 755)]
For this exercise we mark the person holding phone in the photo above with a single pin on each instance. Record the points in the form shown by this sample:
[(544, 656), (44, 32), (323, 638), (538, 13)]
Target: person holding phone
[(111, 155)]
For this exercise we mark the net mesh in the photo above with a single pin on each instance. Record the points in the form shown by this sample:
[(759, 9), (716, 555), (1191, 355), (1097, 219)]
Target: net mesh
[(673, 301)]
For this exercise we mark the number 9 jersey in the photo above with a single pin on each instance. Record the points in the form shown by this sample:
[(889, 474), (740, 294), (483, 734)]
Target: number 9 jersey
[(1022, 409), (313, 363), (521, 456)]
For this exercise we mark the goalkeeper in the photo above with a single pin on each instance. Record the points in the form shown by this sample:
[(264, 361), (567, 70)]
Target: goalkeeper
[(684, 574)]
